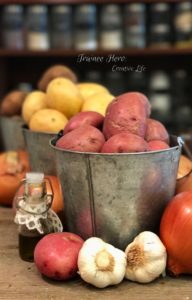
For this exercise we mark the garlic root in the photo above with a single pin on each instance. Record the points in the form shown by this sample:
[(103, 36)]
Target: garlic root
[(104, 261)]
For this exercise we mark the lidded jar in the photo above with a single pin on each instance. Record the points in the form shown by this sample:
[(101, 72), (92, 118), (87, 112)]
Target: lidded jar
[(85, 27), (61, 26), (37, 27), (13, 26), (183, 24), (160, 25), (135, 25), (111, 34)]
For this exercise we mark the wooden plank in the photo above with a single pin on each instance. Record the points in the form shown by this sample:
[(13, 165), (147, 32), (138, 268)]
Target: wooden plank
[(21, 280), (81, 1), (171, 51)]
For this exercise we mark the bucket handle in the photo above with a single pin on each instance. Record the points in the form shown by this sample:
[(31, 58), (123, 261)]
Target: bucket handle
[(183, 145), (180, 141)]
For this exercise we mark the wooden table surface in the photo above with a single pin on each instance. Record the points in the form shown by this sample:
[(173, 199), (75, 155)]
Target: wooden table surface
[(21, 280)]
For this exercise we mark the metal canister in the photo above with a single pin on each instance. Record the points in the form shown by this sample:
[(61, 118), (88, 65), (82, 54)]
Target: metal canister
[(111, 32), (160, 94), (61, 26), (183, 24), (160, 25), (13, 26), (135, 25), (37, 34), (85, 27)]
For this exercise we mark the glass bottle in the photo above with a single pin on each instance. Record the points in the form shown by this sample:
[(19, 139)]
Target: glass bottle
[(183, 24), (37, 34), (111, 34), (34, 217), (159, 36), (135, 25), (61, 26), (160, 25), (160, 13), (160, 94), (13, 26), (85, 27)]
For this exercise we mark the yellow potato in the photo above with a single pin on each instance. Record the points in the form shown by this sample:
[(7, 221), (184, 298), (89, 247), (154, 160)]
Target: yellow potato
[(48, 120), (54, 72), (97, 102), (87, 89), (64, 96), (34, 101)]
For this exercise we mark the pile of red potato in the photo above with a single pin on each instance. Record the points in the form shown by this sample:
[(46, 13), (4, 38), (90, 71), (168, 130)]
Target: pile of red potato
[(126, 127)]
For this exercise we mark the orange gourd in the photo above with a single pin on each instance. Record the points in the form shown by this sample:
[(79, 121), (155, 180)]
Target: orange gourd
[(58, 203), (13, 167)]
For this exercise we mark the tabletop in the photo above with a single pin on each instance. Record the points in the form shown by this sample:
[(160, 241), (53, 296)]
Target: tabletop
[(20, 280)]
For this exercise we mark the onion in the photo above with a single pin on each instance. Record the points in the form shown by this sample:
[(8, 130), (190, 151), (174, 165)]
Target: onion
[(175, 233), (184, 175), (184, 184), (13, 167), (185, 166)]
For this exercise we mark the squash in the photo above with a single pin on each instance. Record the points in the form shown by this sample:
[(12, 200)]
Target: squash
[(13, 167), (58, 203)]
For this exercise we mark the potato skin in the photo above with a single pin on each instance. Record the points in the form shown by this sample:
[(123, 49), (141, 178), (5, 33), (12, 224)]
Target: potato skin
[(85, 138), (11, 104), (156, 145), (56, 255), (127, 113), (156, 131), (86, 117), (124, 143), (135, 96), (54, 72)]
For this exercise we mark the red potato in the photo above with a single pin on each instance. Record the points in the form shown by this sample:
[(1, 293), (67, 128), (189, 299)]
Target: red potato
[(156, 131), (85, 117), (157, 145), (124, 143), (56, 255), (136, 96), (85, 138), (127, 113)]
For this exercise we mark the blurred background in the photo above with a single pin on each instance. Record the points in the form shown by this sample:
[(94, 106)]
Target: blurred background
[(125, 45)]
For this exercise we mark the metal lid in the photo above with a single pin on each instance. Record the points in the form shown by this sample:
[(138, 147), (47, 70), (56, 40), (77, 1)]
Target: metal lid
[(37, 9), (160, 7), (61, 9), (13, 8), (135, 7), (184, 6), (110, 8), (86, 8)]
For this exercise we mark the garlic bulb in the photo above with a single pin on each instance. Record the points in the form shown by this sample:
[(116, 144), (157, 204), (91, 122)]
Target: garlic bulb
[(100, 263), (146, 258)]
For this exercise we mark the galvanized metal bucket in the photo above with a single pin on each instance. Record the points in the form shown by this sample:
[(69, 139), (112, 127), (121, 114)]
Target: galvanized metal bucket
[(41, 156), (11, 133), (116, 196)]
